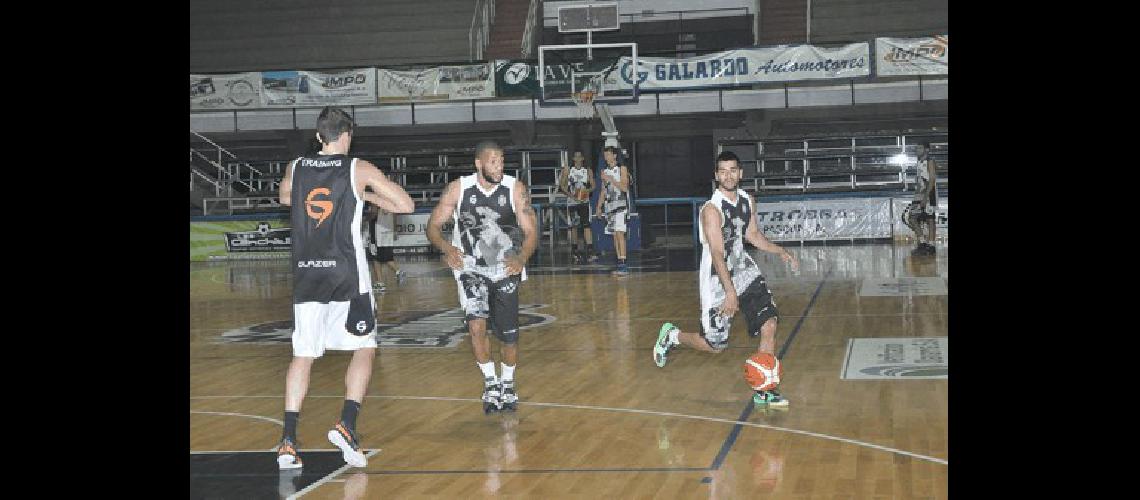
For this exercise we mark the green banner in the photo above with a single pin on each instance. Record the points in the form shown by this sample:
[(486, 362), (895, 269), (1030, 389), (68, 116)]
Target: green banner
[(260, 238)]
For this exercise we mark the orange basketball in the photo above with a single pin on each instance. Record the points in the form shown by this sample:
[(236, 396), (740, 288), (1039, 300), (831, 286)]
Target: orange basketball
[(762, 371), (582, 194)]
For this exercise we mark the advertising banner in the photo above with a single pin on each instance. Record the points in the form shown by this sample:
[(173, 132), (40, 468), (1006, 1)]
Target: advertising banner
[(234, 91), (825, 219), (912, 56), (442, 83), (265, 237), (411, 233), (293, 89), (745, 67)]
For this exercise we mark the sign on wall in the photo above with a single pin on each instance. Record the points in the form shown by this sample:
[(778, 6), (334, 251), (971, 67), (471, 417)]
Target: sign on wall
[(825, 219), (912, 56), (291, 89), (233, 91), (441, 83), (744, 67)]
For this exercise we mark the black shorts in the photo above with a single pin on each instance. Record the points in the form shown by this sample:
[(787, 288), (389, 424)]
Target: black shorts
[(579, 215), (384, 254), (497, 301), (757, 307)]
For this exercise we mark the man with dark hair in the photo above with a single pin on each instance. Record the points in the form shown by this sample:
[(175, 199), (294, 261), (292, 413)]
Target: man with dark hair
[(922, 216), (613, 203), (494, 235), (729, 279), (577, 183), (333, 306)]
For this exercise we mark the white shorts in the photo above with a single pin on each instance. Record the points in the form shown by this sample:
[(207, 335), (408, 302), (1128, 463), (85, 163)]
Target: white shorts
[(318, 326), (615, 222)]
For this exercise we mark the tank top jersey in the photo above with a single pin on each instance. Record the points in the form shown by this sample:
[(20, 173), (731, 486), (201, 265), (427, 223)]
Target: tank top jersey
[(735, 218), (328, 247), (486, 228), (576, 180), (615, 198)]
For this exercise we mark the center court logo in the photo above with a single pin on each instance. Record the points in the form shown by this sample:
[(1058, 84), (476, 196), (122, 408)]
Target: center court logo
[(318, 209), (434, 329)]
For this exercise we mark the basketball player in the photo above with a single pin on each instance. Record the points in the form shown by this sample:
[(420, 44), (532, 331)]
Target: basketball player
[(926, 198), (381, 226), (615, 185), (493, 237), (729, 279), (573, 182), (332, 290)]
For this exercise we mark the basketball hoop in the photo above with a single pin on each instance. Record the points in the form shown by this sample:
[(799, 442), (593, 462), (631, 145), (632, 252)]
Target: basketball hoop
[(585, 102)]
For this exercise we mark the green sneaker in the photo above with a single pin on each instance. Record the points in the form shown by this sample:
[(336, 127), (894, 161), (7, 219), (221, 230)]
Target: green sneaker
[(760, 399), (770, 399), (662, 346)]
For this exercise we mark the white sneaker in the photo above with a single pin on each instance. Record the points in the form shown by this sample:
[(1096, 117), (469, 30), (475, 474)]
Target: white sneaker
[(340, 436)]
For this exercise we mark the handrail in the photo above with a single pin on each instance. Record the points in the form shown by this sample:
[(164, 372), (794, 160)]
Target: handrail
[(480, 32), (214, 144), (528, 30)]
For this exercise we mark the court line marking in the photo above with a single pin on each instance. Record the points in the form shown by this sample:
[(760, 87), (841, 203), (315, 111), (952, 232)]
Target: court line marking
[(630, 410), (327, 478), (257, 417), (220, 452)]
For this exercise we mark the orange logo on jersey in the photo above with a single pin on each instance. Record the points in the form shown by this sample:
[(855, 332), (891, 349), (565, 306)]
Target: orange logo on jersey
[(325, 206)]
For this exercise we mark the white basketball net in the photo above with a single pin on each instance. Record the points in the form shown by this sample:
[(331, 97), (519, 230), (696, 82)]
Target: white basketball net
[(584, 100)]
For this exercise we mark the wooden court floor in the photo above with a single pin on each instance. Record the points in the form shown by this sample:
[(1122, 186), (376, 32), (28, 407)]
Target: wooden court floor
[(597, 418)]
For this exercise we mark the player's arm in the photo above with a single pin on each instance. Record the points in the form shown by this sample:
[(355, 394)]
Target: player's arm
[(563, 180), (443, 211), (623, 179), (527, 219), (601, 195), (385, 193), (711, 222), (285, 190), (755, 237)]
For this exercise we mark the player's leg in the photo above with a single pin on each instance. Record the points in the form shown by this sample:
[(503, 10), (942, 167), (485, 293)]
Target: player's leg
[(476, 290), (505, 316), (307, 346), (714, 340), (620, 220), (356, 378), (759, 308)]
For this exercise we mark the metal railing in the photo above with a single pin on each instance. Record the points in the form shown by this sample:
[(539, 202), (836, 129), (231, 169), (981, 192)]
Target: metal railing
[(529, 30), (480, 33)]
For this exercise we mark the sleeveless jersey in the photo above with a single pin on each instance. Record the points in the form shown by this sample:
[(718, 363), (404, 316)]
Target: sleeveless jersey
[(486, 228), (328, 247), (735, 218), (577, 179), (615, 198)]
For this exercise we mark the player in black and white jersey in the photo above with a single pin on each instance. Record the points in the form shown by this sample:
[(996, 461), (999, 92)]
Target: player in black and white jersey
[(494, 236), (729, 278), (332, 289), (613, 203), (379, 231), (577, 182), (922, 214)]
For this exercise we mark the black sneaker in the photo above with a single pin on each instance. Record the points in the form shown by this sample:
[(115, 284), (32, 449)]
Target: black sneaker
[(509, 397), (492, 401)]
